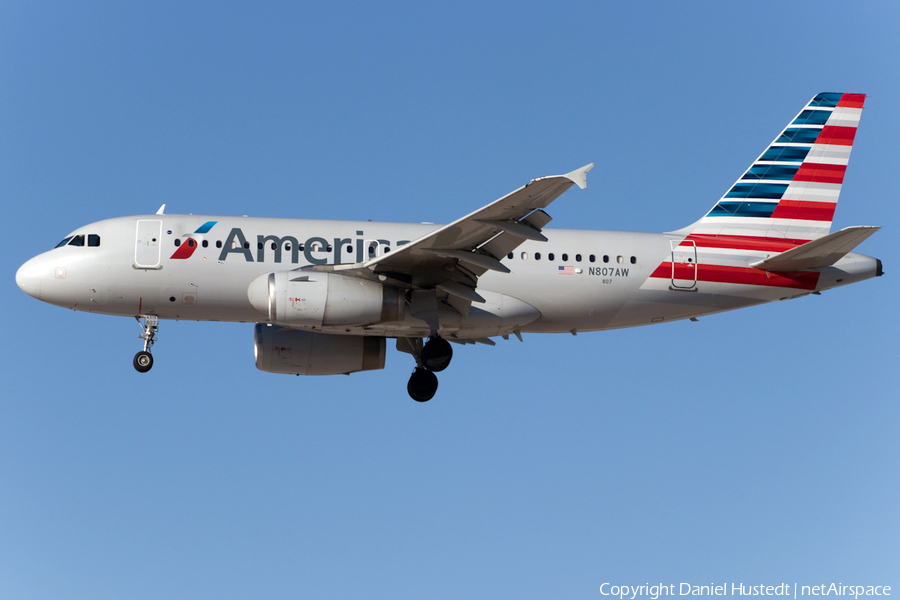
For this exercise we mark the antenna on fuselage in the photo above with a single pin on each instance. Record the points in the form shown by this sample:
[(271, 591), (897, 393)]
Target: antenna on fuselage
[(162, 210)]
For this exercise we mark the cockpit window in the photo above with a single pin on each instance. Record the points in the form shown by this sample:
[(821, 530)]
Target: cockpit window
[(63, 243), (77, 240), (93, 239)]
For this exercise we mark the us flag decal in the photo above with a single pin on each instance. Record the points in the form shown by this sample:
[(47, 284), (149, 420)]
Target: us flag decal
[(566, 270)]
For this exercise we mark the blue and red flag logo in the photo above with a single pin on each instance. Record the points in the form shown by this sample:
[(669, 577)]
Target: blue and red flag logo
[(187, 248)]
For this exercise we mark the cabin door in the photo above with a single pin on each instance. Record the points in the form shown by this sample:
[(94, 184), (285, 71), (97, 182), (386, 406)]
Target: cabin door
[(147, 244), (684, 264)]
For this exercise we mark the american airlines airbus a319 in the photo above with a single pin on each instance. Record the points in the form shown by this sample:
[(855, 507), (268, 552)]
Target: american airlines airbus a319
[(326, 295)]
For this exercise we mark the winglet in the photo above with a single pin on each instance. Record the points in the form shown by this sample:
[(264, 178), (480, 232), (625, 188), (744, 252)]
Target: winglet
[(579, 176), (161, 210)]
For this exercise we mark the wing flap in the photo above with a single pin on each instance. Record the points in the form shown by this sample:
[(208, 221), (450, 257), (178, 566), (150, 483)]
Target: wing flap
[(477, 259), (537, 219), (457, 289), (822, 252), (517, 229)]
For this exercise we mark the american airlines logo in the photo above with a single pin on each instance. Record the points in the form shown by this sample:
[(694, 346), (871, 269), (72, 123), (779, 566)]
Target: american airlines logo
[(187, 248)]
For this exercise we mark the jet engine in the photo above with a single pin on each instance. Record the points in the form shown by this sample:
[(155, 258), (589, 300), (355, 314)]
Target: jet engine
[(280, 350), (311, 300)]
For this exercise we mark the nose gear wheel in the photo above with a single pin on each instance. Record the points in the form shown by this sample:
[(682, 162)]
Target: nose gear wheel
[(143, 360)]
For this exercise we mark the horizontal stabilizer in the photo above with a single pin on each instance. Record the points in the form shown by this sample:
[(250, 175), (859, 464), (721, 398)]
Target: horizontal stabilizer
[(822, 252)]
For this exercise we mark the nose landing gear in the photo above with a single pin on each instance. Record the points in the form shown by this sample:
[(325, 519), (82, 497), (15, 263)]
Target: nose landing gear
[(433, 356), (143, 360)]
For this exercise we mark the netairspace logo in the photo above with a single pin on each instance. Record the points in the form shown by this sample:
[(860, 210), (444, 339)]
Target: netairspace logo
[(654, 592)]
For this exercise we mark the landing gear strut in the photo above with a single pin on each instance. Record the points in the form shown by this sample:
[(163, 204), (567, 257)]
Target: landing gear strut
[(433, 356), (143, 360)]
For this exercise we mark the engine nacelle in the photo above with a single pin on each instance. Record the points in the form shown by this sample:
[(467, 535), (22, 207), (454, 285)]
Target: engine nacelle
[(311, 300), (295, 352)]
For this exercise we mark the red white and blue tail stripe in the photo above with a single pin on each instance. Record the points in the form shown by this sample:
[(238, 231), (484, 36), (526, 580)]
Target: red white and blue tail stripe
[(785, 199), (791, 191)]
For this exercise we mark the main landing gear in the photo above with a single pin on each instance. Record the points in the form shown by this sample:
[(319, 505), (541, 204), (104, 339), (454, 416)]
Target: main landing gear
[(143, 360), (433, 357), (422, 385)]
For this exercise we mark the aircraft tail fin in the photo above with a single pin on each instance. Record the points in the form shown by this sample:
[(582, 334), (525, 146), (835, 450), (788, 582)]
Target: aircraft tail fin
[(791, 191)]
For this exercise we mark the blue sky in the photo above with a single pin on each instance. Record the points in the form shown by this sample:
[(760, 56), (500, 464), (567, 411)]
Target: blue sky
[(758, 446)]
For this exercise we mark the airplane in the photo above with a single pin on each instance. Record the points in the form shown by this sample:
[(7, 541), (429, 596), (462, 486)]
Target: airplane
[(326, 295)]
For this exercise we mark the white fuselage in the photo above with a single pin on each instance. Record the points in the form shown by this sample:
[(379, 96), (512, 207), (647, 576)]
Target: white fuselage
[(595, 280)]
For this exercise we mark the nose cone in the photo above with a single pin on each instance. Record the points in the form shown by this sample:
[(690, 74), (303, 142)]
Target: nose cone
[(28, 277)]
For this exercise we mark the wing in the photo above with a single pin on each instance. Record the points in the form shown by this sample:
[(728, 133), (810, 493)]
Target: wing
[(451, 258)]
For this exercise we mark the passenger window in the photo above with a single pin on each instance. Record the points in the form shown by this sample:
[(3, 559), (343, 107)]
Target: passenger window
[(577, 258), (191, 242), (537, 256), (386, 249), (177, 242), (349, 249), (63, 243), (606, 258), (93, 239), (274, 246), (205, 243), (509, 256), (634, 260), (77, 240), (218, 243), (524, 256), (565, 257), (246, 245), (592, 258), (550, 256), (287, 247), (619, 259)]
